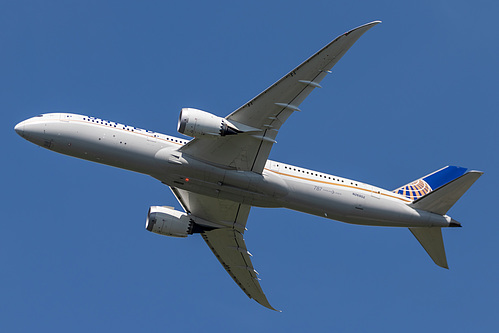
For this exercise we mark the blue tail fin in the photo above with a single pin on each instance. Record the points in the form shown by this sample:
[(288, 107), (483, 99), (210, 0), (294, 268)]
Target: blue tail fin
[(431, 182)]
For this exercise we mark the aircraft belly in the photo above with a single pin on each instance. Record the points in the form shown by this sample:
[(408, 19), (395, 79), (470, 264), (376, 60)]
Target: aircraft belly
[(247, 187)]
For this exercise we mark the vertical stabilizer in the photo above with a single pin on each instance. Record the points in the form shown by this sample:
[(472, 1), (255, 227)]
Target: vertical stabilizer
[(431, 182), (443, 198), (433, 243)]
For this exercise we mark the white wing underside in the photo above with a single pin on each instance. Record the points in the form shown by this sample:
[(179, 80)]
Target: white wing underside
[(270, 109), (229, 248), (226, 241)]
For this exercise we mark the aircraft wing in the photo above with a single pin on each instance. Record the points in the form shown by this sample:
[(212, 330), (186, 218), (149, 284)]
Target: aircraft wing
[(229, 248), (226, 240), (266, 113)]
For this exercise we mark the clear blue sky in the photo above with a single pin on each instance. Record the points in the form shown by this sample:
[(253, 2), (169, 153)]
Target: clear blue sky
[(417, 92)]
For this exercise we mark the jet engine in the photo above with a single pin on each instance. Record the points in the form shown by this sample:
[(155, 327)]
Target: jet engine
[(169, 222), (194, 123)]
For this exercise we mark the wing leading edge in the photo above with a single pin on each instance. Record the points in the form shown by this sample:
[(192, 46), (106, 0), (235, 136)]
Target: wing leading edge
[(268, 111)]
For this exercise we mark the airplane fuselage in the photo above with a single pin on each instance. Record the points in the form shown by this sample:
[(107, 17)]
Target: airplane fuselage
[(279, 185)]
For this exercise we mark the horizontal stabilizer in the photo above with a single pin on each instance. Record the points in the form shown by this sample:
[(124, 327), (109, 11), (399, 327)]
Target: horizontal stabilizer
[(443, 198), (433, 243)]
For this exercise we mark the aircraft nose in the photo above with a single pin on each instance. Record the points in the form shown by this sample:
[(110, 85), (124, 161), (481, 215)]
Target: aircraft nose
[(19, 128)]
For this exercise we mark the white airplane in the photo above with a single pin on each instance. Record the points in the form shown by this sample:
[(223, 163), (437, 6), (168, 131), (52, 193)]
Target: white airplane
[(224, 170)]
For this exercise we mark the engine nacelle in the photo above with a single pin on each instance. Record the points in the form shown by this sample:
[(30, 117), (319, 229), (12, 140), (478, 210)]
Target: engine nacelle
[(194, 123), (169, 222)]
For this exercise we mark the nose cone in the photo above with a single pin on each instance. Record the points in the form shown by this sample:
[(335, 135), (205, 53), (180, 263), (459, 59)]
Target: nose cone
[(33, 130), (19, 128)]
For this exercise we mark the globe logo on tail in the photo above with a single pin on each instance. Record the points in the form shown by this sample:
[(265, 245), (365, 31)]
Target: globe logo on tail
[(414, 190)]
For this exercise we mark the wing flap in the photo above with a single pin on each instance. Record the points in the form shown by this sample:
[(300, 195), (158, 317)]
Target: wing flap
[(221, 213)]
